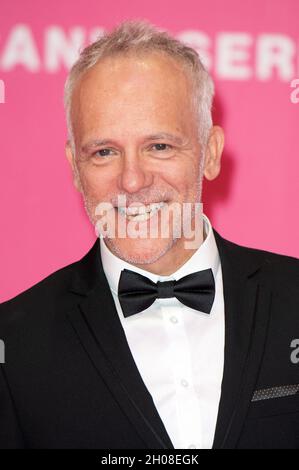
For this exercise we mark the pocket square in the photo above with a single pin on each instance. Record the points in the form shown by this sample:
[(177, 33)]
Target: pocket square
[(275, 392)]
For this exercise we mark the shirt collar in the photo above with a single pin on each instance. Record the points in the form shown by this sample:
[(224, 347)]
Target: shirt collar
[(205, 257)]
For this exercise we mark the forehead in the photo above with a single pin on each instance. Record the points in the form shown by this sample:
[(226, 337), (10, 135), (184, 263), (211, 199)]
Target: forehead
[(132, 73), (132, 89)]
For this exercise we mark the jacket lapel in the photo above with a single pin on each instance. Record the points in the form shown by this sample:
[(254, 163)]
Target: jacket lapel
[(247, 306), (97, 325)]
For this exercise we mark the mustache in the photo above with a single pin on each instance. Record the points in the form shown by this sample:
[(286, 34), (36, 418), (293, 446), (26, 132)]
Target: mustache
[(143, 197)]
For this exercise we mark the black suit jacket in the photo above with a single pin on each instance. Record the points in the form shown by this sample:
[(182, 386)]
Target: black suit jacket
[(69, 379)]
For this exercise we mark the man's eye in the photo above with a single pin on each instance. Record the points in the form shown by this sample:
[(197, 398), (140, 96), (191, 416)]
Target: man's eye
[(103, 152), (161, 147)]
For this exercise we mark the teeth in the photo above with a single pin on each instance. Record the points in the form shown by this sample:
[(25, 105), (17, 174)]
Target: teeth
[(140, 213)]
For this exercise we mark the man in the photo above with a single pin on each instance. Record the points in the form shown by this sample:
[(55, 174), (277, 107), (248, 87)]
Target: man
[(165, 335)]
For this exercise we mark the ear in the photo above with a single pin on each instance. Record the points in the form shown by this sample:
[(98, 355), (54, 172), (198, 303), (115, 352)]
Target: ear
[(71, 159), (213, 153)]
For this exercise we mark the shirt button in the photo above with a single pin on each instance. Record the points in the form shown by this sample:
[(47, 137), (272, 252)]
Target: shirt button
[(192, 446), (184, 383), (173, 319)]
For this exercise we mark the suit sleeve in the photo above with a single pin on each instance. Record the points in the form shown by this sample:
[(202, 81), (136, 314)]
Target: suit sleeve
[(10, 433)]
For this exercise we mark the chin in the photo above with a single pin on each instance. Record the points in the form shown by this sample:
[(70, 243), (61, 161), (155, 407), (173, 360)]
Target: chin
[(138, 251)]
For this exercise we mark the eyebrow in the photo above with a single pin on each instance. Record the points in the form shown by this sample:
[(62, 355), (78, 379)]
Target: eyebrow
[(165, 135), (160, 136)]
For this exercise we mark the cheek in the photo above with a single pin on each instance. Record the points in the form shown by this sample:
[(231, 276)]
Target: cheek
[(182, 174), (97, 183)]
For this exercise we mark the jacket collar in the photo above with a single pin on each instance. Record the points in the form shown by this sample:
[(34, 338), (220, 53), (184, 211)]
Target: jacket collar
[(240, 262)]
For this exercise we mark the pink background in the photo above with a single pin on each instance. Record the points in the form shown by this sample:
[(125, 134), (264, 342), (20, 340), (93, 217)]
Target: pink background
[(255, 200)]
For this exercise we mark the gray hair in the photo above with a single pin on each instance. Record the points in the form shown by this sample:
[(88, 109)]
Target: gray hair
[(141, 37)]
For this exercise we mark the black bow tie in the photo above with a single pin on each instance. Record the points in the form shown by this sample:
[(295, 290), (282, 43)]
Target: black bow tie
[(137, 292)]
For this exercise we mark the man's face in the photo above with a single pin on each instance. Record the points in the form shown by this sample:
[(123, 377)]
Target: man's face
[(136, 135)]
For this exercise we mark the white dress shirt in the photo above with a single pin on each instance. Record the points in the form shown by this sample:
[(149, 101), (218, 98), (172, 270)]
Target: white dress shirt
[(178, 351)]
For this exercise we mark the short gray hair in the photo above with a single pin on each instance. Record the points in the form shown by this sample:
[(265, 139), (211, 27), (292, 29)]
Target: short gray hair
[(138, 36)]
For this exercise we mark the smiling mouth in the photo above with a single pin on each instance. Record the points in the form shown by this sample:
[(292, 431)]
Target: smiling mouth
[(141, 213)]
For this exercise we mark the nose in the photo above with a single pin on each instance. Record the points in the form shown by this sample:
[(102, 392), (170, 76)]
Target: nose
[(134, 176)]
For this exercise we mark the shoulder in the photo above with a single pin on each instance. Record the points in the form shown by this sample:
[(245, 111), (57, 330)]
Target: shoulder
[(54, 283), (275, 265), (281, 271), (40, 301), (43, 304)]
